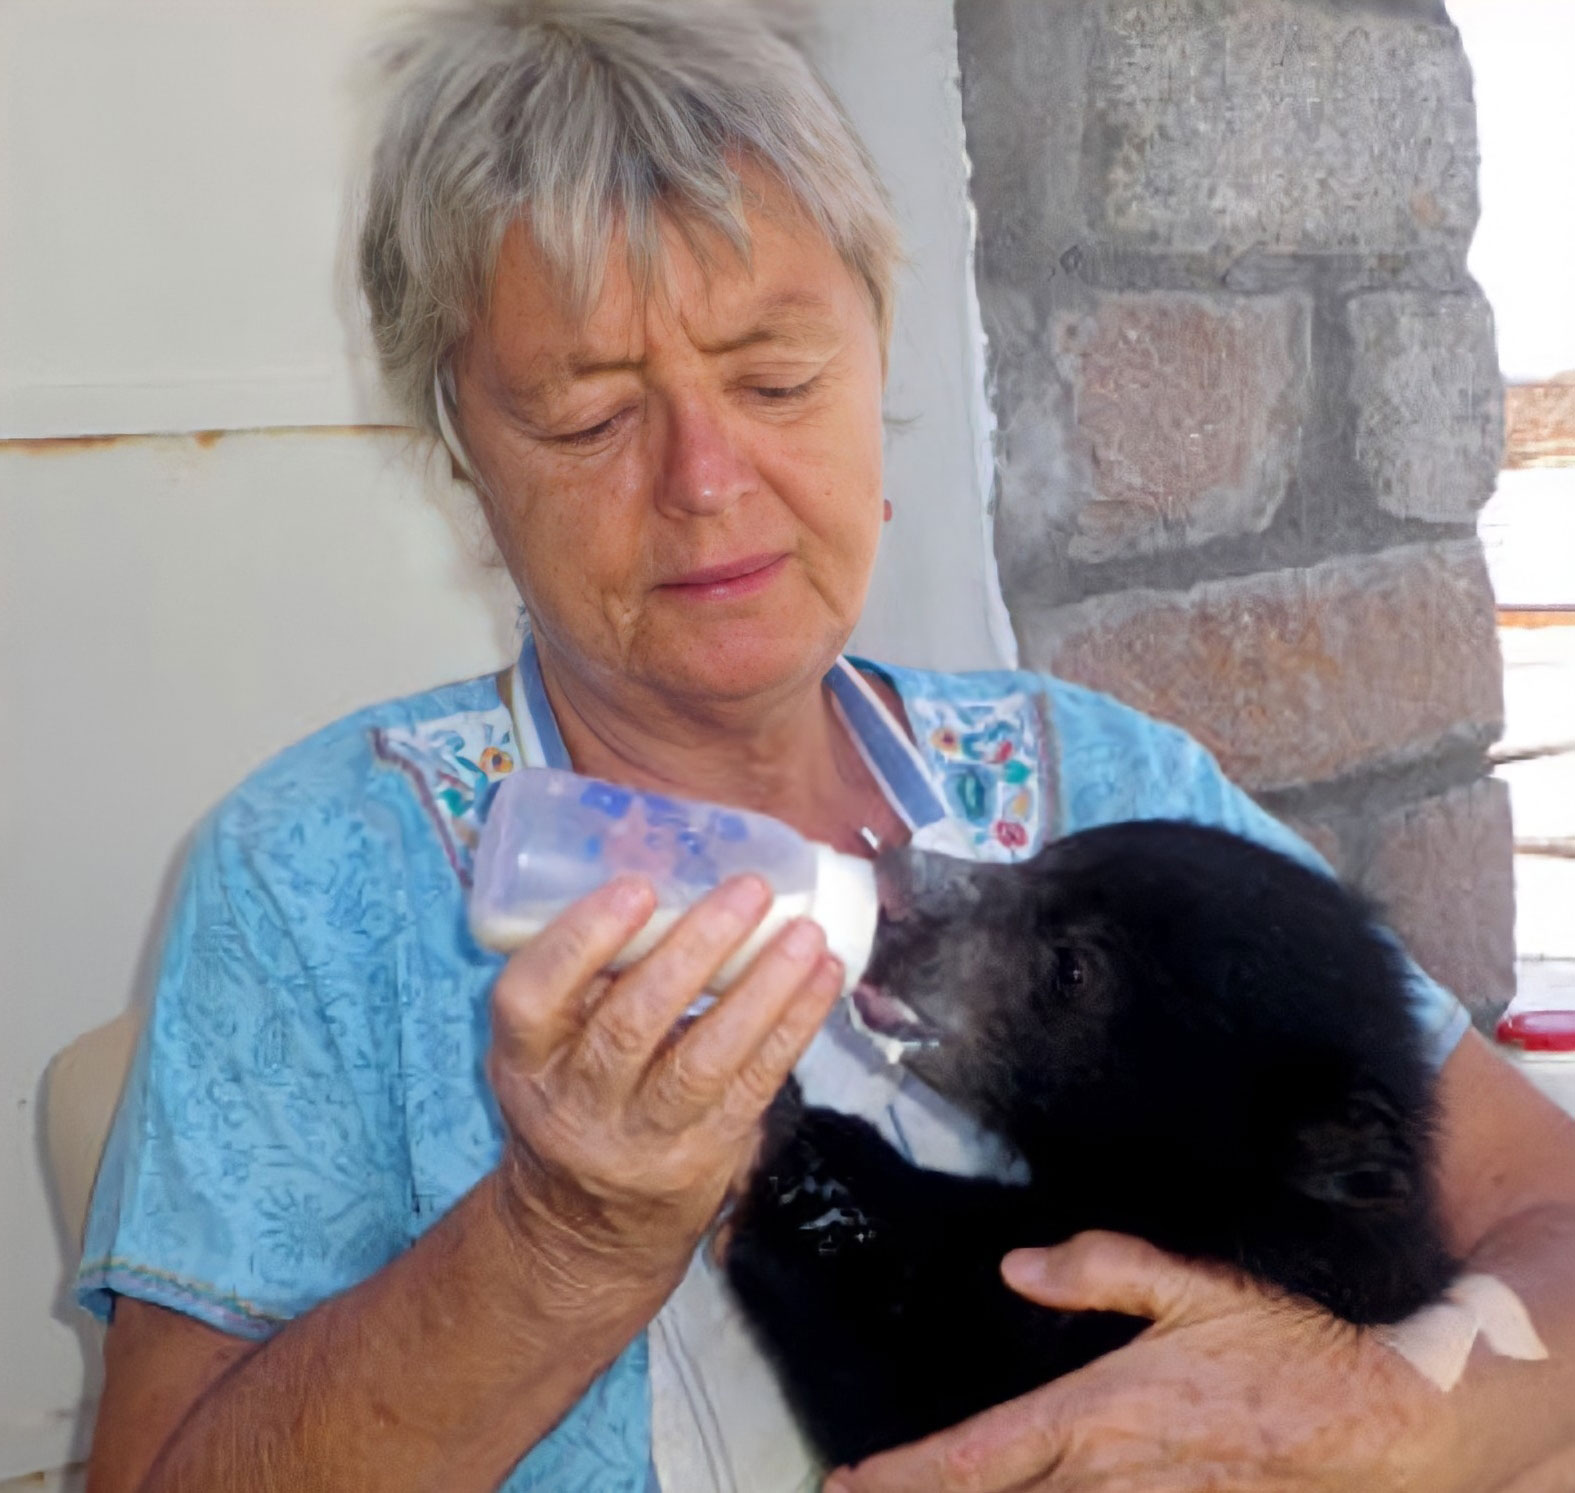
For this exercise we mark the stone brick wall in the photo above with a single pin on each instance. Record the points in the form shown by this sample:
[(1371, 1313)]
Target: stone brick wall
[(1248, 406)]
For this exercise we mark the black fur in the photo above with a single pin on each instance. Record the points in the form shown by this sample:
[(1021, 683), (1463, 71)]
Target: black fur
[(1187, 1037)]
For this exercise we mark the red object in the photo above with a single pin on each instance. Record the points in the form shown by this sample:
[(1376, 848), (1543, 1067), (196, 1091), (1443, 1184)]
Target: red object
[(1539, 1031)]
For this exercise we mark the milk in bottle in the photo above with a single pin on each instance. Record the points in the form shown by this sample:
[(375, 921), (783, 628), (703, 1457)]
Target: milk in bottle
[(551, 837)]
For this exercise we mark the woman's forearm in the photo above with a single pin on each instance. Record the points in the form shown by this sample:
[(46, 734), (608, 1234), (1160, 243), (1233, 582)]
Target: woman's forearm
[(444, 1368), (438, 1372), (1516, 1418)]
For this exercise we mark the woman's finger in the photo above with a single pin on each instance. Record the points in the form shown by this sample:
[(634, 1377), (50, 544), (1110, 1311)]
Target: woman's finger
[(537, 1000), (759, 1081), (1030, 1439), (691, 1078), (1105, 1272), (1012, 1447), (1075, 1434), (637, 1015)]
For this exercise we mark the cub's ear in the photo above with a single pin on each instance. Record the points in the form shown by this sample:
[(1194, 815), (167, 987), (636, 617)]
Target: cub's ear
[(1360, 1158)]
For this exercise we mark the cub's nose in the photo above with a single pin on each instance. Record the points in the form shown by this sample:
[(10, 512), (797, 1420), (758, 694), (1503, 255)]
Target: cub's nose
[(910, 881)]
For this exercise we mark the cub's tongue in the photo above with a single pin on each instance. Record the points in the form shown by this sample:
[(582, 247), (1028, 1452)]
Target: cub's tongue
[(894, 1025)]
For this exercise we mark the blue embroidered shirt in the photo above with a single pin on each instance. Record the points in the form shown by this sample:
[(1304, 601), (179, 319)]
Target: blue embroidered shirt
[(308, 1096)]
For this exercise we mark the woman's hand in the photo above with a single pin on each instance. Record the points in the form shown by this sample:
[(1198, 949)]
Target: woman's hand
[(624, 1137), (1233, 1390)]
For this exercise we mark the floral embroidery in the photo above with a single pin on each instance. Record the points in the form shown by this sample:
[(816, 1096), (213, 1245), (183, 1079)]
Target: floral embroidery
[(968, 792), (455, 765), (986, 753), (495, 762)]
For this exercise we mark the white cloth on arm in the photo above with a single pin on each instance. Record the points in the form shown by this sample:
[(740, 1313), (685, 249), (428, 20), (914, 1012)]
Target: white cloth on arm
[(1437, 1341)]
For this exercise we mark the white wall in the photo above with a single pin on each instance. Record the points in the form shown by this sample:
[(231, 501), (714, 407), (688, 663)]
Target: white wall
[(171, 185), (175, 607), (935, 600), (1522, 55)]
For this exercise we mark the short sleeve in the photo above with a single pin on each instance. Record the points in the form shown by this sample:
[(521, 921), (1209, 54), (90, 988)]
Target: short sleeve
[(256, 1164), (1117, 763)]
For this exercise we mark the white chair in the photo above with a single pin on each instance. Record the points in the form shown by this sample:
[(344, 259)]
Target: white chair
[(81, 1091)]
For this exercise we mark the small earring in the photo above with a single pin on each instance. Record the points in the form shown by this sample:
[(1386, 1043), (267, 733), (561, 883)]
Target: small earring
[(888, 510)]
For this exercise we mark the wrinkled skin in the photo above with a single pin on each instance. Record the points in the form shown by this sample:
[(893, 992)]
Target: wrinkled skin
[(1233, 1389), (1188, 1038)]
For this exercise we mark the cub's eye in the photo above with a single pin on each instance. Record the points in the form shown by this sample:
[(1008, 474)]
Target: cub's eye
[(1070, 971)]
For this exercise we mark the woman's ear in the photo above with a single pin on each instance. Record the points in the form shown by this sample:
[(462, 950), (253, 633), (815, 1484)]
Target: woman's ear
[(445, 403)]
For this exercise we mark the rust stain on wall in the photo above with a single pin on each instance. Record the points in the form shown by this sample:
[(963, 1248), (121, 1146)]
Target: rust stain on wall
[(59, 445), (50, 445)]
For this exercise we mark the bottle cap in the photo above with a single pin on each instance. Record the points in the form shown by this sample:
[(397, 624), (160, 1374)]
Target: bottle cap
[(846, 906)]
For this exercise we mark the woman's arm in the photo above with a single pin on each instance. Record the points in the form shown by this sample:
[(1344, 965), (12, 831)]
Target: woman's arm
[(157, 1362), (439, 1371), (1508, 1172), (445, 1367), (1231, 1389)]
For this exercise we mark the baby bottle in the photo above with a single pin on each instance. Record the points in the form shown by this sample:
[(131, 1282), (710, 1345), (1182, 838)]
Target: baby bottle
[(551, 837)]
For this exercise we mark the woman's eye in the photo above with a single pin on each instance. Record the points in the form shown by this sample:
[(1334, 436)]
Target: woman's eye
[(591, 434), (782, 393)]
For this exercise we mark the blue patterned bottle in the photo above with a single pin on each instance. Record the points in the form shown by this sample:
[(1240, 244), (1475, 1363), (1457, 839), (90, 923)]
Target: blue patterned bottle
[(550, 837)]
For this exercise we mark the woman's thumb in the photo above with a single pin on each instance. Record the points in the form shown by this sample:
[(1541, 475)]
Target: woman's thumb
[(1103, 1272)]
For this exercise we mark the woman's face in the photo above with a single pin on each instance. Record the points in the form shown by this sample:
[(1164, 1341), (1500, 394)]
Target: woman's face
[(686, 487)]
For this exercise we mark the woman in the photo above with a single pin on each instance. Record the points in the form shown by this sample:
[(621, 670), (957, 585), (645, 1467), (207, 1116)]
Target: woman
[(378, 1213)]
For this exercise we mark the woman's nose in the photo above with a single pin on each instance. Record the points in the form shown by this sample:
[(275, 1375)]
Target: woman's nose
[(704, 471)]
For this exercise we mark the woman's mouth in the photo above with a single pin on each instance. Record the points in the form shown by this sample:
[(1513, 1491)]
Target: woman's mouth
[(727, 582)]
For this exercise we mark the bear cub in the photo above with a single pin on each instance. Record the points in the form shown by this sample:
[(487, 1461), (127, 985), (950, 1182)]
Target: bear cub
[(1186, 1037)]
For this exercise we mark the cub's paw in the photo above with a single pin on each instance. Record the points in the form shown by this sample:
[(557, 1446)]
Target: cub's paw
[(802, 1202)]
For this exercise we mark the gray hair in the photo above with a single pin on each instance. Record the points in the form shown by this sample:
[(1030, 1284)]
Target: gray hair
[(581, 118)]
